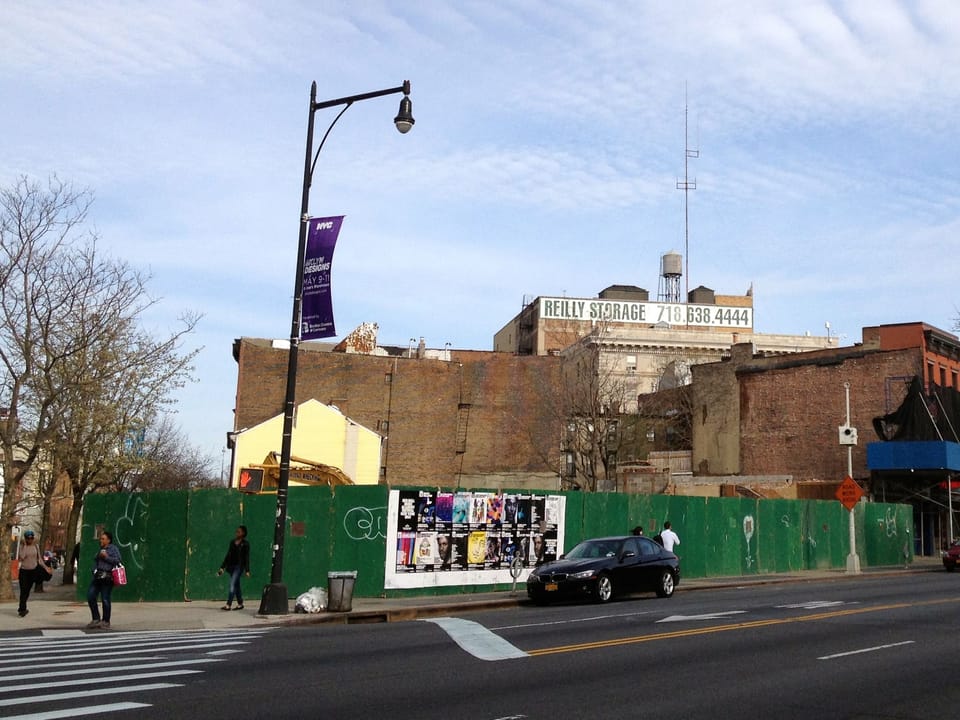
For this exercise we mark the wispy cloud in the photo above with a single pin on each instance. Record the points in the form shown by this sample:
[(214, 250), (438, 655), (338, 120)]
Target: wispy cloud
[(549, 140)]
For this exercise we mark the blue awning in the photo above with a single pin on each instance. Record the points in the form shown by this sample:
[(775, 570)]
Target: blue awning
[(913, 455)]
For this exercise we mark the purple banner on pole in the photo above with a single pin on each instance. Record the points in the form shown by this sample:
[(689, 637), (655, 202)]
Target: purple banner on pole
[(316, 315)]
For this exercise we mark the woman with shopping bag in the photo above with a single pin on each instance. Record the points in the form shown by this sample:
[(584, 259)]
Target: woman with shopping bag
[(107, 558)]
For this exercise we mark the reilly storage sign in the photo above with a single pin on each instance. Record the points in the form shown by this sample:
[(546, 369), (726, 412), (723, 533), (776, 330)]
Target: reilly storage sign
[(646, 313), (437, 538)]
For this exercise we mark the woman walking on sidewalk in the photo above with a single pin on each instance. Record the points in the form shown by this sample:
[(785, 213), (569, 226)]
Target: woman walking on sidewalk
[(236, 561), (108, 557), (30, 560)]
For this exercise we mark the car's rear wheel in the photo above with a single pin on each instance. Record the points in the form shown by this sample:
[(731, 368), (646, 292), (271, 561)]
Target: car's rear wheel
[(604, 589), (666, 586)]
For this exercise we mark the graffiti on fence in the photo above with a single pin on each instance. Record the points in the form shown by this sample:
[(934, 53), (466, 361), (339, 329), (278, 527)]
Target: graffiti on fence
[(363, 523), (748, 527), (890, 523), (129, 529)]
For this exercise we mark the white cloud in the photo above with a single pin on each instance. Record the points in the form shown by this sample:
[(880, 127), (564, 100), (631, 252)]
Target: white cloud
[(549, 139)]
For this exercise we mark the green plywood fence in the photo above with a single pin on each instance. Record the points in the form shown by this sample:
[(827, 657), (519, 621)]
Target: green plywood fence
[(173, 542), (150, 529)]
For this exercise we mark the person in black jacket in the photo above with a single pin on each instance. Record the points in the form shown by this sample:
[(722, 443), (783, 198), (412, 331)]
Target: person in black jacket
[(237, 561)]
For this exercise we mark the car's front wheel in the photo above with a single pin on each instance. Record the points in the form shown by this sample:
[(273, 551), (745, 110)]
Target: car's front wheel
[(666, 586), (950, 568), (604, 589)]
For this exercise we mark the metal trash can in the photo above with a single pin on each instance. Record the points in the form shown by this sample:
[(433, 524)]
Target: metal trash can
[(340, 590)]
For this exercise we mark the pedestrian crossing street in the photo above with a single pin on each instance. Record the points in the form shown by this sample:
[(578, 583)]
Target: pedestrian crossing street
[(67, 674)]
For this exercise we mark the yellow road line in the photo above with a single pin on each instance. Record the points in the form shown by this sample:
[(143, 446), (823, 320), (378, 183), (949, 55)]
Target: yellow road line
[(733, 626)]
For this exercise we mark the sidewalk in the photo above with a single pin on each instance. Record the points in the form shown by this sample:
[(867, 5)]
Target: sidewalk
[(57, 609)]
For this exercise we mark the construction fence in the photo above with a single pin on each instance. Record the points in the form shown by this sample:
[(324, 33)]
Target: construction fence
[(173, 542)]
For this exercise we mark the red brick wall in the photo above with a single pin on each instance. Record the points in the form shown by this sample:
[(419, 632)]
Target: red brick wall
[(789, 415), (941, 350), (513, 423)]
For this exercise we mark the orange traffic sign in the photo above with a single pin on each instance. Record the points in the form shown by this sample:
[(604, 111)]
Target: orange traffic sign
[(849, 493)]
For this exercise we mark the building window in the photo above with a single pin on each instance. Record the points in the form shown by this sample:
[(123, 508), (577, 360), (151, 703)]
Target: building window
[(956, 381), (388, 378), (943, 377), (931, 377), (631, 363)]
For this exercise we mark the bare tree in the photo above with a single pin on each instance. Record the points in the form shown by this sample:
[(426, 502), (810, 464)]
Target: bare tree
[(165, 461), (78, 372), (118, 393), (38, 226), (668, 407), (597, 419)]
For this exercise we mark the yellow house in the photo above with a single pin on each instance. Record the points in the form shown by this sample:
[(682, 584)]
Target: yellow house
[(321, 434)]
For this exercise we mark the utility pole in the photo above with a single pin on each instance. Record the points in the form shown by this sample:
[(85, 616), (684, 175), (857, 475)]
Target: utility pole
[(687, 185), (850, 435)]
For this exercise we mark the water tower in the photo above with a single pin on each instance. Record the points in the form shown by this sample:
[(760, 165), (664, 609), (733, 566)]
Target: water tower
[(671, 270)]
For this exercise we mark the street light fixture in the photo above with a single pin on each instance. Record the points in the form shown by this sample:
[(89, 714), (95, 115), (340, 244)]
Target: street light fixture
[(275, 596)]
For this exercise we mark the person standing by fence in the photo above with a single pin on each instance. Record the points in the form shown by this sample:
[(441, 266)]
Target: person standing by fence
[(236, 562), (670, 538), (107, 558)]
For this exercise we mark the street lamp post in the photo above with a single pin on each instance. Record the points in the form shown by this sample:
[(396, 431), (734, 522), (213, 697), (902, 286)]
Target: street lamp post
[(275, 597)]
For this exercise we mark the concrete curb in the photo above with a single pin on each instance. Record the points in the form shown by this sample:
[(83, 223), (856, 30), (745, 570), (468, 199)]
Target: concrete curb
[(405, 614), (58, 610)]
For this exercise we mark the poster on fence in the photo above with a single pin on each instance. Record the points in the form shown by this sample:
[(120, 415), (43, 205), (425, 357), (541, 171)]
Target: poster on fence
[(437, 537)]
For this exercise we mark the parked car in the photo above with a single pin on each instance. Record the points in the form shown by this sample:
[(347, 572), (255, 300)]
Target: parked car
[(951, 556), (604, 567)]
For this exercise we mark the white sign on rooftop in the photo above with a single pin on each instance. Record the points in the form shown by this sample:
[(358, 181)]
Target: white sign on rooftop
[(646, 313)]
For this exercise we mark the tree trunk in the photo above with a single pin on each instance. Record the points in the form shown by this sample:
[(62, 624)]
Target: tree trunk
[(6, 574), (7, 507), (71, 539), (47, 495)]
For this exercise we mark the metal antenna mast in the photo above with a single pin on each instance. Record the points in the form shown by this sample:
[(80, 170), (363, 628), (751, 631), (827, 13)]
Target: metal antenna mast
[(687, 185)]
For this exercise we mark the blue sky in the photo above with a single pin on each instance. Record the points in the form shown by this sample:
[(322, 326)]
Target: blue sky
[(544, 161)]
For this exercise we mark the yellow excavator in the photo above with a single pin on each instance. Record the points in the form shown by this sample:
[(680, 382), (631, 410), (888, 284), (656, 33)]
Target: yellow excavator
[(266, 476)]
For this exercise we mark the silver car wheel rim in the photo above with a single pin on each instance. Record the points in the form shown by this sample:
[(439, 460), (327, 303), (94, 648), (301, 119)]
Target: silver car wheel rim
[(605, 589)]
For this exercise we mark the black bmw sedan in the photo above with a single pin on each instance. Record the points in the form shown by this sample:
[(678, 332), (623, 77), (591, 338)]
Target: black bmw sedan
[(603, 567)]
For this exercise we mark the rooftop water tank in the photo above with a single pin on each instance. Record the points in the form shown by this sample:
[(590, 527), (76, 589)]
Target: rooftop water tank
[(671, 264)]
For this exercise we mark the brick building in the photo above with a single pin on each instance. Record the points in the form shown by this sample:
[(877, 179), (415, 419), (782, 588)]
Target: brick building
[(758, 417), (451, 418), (940, 350), (642, 346)]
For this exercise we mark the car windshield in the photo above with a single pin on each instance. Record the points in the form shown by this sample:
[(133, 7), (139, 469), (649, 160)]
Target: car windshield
[(594, 549)]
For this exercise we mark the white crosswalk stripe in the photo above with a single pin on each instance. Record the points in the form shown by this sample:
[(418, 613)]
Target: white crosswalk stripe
[(135, 665)]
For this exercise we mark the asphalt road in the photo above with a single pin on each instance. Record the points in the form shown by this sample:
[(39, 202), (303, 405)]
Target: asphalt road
[(876, 647)]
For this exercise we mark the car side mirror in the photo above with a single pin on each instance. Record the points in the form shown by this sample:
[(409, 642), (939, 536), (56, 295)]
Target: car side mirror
[(561, 557)]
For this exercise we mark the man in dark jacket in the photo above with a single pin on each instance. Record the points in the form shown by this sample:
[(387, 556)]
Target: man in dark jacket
[(236, 561)]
